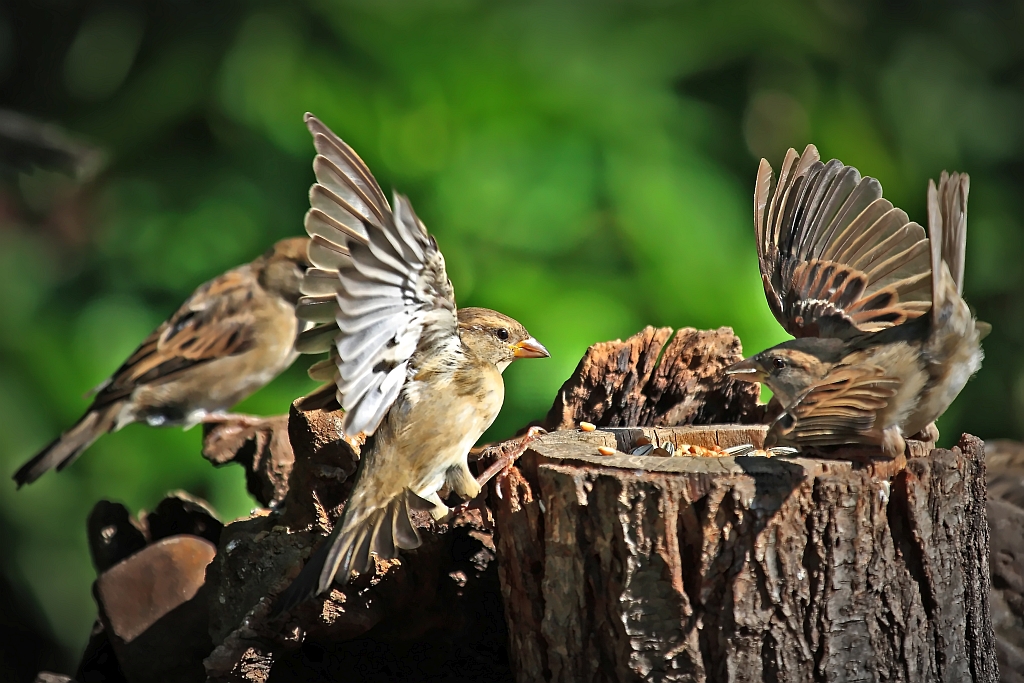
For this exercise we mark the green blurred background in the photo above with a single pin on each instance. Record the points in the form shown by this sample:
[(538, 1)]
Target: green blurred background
[(586, 167)]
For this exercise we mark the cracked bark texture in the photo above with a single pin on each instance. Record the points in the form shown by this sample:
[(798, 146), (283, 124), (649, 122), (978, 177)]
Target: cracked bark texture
[(434, 612), (1005, 467), (747, 569), (657, 377)]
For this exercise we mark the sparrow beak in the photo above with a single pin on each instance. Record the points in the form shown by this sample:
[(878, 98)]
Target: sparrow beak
[(530, 348), (747, 370)]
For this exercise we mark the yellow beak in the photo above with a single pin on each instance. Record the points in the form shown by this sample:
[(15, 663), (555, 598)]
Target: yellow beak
[(747, 370), (530, 348)]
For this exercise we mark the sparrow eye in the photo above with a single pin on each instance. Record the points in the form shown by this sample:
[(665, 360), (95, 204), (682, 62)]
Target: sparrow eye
[(778, 363), (502, 334)]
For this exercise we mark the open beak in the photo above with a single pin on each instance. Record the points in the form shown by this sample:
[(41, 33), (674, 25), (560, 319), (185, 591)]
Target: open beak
[(747, 370), (530, 348)]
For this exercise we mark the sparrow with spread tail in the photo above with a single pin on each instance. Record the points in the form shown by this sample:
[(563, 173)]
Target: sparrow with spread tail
[(421, 379), (885, 341), (230, 338)]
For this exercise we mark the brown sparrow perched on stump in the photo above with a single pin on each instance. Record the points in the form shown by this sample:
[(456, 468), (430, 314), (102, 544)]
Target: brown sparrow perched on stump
[(421, 380), (230, 338), (885, 341)]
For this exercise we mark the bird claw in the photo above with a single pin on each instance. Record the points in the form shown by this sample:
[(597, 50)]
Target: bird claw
[(511, 451)]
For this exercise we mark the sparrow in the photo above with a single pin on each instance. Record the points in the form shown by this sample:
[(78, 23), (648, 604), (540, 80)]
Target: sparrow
[(884, 340), (230, 338), (419, 377)]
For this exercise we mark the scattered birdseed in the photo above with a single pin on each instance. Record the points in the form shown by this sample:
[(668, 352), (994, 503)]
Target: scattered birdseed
[(588, 426), (604, 450), (749, 450), (668, 449)]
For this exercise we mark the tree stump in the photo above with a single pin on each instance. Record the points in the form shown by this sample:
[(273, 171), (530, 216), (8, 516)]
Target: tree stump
[(825, 567), (624, 567)]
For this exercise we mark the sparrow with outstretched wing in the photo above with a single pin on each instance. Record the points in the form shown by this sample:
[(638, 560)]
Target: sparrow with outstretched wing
[(419, 377), (885, 341)]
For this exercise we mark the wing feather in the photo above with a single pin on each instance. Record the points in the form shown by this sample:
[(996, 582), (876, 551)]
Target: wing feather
[(836, 258), (379, 277), (840, 409), (318, 339), (324, 254), (318, 282), (215, 322)]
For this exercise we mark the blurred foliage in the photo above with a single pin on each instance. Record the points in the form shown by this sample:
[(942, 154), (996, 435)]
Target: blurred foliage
[(586, 167)]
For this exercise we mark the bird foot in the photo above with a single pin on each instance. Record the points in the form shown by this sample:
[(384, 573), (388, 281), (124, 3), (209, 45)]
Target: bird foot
[(893, 443), (510, 451)]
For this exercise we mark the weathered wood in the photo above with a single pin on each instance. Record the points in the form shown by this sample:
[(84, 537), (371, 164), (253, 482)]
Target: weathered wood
[(1005, 467), (744, 569), (655, 378), (261, 446), (443, 597), (150, 591)]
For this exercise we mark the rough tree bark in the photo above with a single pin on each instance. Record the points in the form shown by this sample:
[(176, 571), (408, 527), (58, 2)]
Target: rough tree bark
[(605, 568), (657, 377), (744, 569), (1005, 465)]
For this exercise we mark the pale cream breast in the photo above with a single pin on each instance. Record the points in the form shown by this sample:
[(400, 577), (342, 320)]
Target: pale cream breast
[(414, 446)]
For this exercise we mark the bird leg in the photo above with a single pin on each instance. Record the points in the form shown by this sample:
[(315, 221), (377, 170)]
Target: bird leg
[(440, 509), (511, 451), (508, 452), (461, 481), (893, 443)]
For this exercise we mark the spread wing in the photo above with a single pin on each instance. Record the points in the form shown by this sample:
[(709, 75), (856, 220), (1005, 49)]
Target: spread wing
[(839, 409), (836, 258), (378, 289), (215, 322)]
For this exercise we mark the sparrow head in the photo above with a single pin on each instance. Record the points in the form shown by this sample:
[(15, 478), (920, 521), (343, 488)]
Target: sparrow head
[(791, 367), (282, 266), (497, 338)]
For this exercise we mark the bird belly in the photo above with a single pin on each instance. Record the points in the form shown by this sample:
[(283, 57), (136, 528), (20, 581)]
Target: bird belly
[(212, 387), (949, 374), (431, 427)]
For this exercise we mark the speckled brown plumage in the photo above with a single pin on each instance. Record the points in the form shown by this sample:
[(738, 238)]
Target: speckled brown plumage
[(885, 339), (230, 338)]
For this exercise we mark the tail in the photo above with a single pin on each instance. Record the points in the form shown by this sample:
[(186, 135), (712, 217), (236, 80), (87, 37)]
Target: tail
[(382, 531), (69, 445), (947, 232)]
